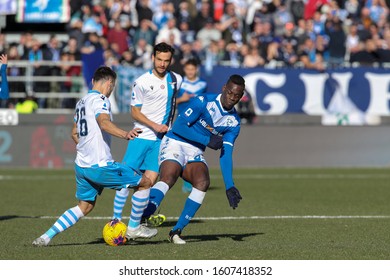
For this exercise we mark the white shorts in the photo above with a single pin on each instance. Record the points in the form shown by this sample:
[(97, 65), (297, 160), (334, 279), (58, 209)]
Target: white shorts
[(180, 152)]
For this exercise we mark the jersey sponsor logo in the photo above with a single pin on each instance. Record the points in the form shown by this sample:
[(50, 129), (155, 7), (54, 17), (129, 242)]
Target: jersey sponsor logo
[(231, 121), (208, 127), (133, 96)]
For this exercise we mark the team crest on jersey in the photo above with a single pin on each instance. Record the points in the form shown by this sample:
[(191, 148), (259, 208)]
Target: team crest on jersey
[(231, 121), (162, 86), (172, 84)]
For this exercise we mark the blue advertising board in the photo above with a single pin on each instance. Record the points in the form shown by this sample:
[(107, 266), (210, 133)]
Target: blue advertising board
[(281, 91)]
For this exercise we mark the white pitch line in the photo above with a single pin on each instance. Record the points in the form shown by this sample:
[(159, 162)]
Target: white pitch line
[(237, 176), (251, 217)]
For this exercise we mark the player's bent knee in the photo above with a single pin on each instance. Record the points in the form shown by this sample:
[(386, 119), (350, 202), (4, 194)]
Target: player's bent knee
[(145, 183)]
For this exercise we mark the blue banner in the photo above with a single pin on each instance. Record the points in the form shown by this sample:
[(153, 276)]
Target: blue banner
[(276, 92), (43, 11), (91, 62)]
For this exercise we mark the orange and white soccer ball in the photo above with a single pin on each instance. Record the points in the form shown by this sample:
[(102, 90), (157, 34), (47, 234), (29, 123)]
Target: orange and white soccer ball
[(114, 233)]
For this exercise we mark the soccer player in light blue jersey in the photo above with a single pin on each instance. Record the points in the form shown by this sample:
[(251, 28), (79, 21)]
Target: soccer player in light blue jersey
[(4, 91), (191, 87), (94, 166), (152, 109), (208, 121)]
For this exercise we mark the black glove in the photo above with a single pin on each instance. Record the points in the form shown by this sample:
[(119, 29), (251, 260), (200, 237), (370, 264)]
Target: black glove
[(233, 196), (216, 142)]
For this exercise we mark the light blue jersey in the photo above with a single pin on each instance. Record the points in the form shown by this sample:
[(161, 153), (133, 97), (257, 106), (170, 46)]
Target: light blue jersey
[(203, 117), (196, 87)]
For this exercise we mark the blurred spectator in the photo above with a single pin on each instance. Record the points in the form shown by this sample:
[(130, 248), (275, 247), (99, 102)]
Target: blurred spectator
[(93, 24), (183, 14), (25, 44), (233, 54), (127, 58), (337, 38), (91, 44), (203, 17), (352, 41), (71, 47), (170, 29), (71, 85), (163, 15), (211, 57), (27, 106), (15, 71), (3, 43), (308, 56), (281, 17), (187, 34), (290, 56), (143, 10), (234, 32), (147, 30), (118, 35), (35, 57), (143, 54), (74, 31), (274, 52), (187, 53), (368, 54), (253, 59), (208, 33)]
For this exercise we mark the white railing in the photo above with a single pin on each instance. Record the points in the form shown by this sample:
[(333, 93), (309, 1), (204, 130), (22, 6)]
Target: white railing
[(28, 79)]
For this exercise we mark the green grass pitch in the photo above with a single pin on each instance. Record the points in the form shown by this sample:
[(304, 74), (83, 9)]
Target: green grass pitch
[(285, 214)]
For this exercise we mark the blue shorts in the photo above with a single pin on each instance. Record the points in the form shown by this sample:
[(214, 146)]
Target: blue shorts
[(142, 154), (91, 181)]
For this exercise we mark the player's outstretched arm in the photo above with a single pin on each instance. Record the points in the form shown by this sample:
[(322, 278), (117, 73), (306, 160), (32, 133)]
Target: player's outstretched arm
[(4, 93), (138, 116), (75, 134), (226, 163), (107, 125)]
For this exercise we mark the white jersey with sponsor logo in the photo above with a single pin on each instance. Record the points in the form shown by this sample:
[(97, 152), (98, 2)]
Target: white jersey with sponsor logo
[(93, 148), (156, 97)]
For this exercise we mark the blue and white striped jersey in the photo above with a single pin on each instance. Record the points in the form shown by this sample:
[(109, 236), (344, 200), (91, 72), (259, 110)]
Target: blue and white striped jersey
[(203, 117), (154, 96), (196, 87)]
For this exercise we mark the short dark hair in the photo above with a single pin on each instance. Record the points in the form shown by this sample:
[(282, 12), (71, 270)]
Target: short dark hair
[(192, 61), (163, 47), (104, 73), (237, 80)]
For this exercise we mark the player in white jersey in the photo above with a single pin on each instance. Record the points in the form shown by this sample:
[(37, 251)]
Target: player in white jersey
[(94, 166), (191, 87), (208, 120), (152, 109)]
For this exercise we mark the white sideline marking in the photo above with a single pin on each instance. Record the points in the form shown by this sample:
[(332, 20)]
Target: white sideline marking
[(248, 218), (237, 176)]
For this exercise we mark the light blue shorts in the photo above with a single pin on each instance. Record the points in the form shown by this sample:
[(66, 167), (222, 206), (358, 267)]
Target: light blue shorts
[(142, 154), (91, 181)]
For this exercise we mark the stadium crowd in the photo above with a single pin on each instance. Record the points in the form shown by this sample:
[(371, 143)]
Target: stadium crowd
[(313, 34)]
